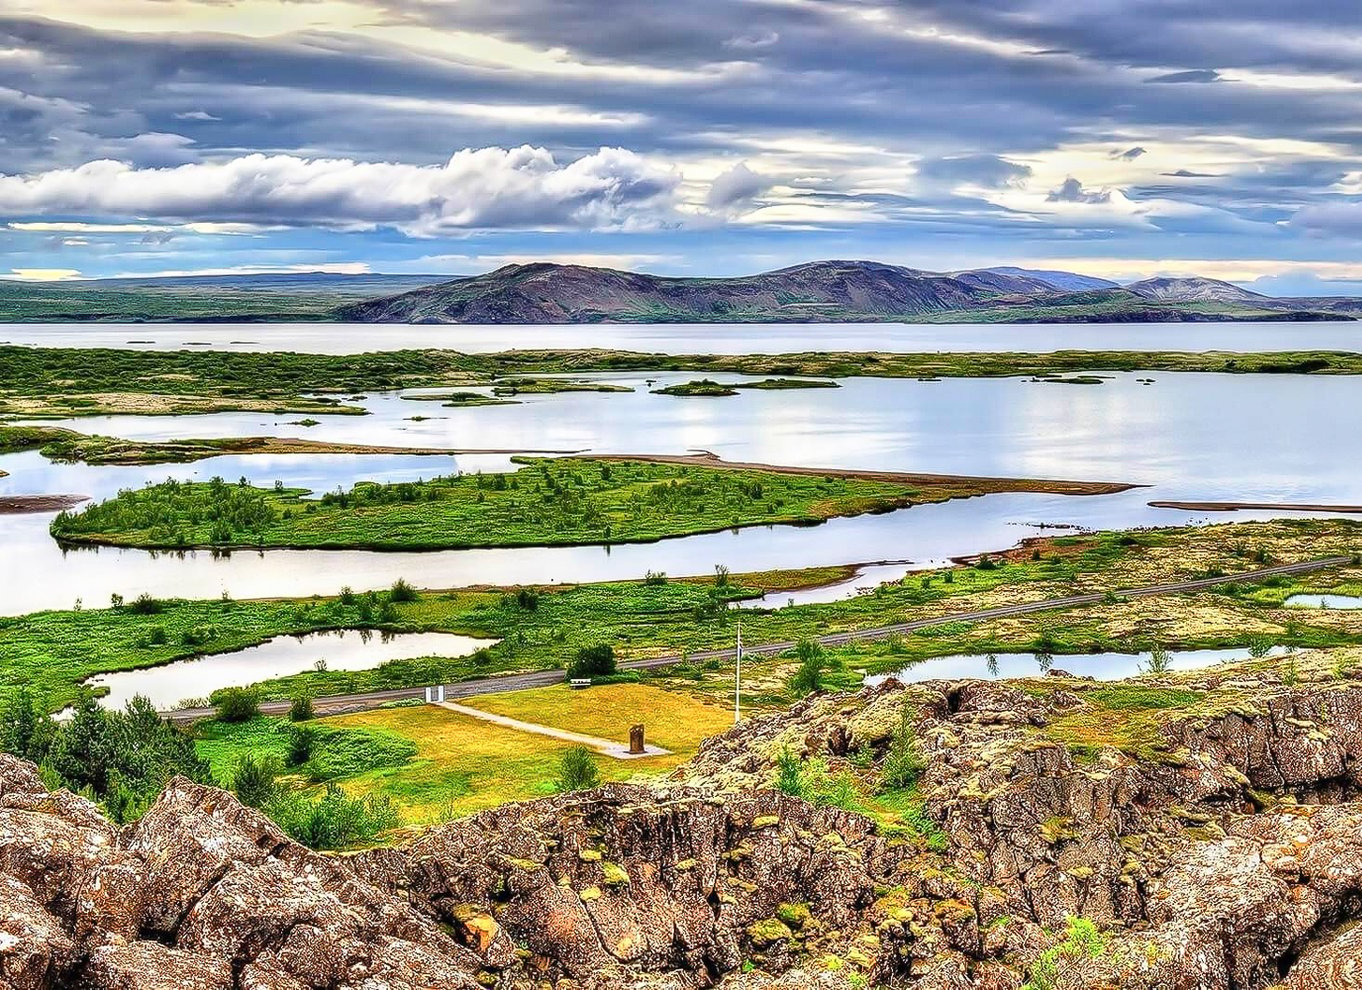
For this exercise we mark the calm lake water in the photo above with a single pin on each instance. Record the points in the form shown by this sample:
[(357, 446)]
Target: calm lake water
[(168, 685), (1186, 436), (1346, 602), (719, 338), (1102, 666)]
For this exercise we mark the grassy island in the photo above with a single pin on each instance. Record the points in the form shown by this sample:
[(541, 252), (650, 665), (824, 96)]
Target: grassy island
[(548, 502), (705, 387)]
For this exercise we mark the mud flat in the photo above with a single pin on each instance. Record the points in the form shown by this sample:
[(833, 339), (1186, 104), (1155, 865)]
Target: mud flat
[(1268, 506), (14, 505)]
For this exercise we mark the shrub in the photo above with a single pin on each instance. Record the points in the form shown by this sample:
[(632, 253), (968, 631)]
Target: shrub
[(577, 771), (336, 821), (402, 592), (144, 604), (812, 663), (594, 661), (789, 775), (235, 704), (655, 578), (301, 709), (301, 742), (528, 599), (1160, 661), (1082, 940), (903, 766), (254, 780)]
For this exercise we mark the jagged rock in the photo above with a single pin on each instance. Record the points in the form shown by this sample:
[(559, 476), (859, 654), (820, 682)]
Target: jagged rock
[(1210, 840)]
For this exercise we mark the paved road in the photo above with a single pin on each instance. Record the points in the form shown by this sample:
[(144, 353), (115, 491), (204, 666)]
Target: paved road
[(544, 678)]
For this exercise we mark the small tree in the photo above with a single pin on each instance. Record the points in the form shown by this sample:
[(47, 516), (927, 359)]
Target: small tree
[(254, 780), (301, 709), (301, 742), (593, 661), (812, 663), (902, 765), (237, 704), (1160, 661), (577, 771)]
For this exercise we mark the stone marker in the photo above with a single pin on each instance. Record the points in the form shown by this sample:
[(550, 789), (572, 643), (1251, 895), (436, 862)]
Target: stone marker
[(635, 740)]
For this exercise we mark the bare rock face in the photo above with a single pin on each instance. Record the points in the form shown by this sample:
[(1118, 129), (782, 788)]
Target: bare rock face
[(1201, 833)]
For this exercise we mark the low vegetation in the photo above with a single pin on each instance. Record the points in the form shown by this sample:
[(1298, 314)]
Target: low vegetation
[(88, 381), (546, 502)]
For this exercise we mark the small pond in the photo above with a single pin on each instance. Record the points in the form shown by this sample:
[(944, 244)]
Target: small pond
[(1323, 601), (198, 677), (1103, 666)]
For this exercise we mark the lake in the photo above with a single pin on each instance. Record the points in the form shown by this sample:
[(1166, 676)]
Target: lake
[(1187, 436), (713, 338)]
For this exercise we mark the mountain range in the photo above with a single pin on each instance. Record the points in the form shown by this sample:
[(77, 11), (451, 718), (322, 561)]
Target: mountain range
[(822, 291)]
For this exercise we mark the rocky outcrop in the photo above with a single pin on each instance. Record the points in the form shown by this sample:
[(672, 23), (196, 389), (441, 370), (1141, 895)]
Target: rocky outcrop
[(1190, 833)]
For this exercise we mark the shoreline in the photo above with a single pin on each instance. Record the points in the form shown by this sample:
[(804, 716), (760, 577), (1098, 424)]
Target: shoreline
[(1266, 506)]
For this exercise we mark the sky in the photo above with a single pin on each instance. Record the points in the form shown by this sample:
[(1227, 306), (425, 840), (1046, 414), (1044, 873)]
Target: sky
[(1121, 138)]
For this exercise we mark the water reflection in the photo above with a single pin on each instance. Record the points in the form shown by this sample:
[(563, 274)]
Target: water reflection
[(1284, 442), (168, 685), (1102, 666), (719, 338)]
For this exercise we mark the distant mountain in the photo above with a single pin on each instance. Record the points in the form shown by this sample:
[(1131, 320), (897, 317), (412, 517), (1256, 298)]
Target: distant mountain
[(548, 293), (1063, 281), (1196, 290), (820, 291)]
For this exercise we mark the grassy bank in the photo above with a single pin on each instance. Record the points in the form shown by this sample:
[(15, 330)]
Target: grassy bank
[(88, 381), (547, 502), (544, 628)]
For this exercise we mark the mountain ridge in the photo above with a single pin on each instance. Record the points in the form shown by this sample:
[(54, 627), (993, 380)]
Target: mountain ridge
[(823, 291), (830, 291)]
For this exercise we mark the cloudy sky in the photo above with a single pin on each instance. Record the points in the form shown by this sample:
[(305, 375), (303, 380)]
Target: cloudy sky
[(1114, 137)]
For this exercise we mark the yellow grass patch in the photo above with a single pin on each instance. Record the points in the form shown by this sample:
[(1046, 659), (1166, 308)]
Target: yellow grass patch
[(464, 765)]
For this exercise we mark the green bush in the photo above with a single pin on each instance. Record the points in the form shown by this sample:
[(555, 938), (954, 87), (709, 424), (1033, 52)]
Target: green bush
[(335, 821), (254, 781), (144, 604), (236, 704), (789, 773), (301, 709), (402, 592), (903, 766), (120, 758), (593, 661), (301, 743), (812, 663), (577, 771)]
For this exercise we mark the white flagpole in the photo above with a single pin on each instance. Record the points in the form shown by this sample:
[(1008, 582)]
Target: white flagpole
[(737, 679)]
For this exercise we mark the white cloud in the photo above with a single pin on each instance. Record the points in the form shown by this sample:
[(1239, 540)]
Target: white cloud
[(485, 188)]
